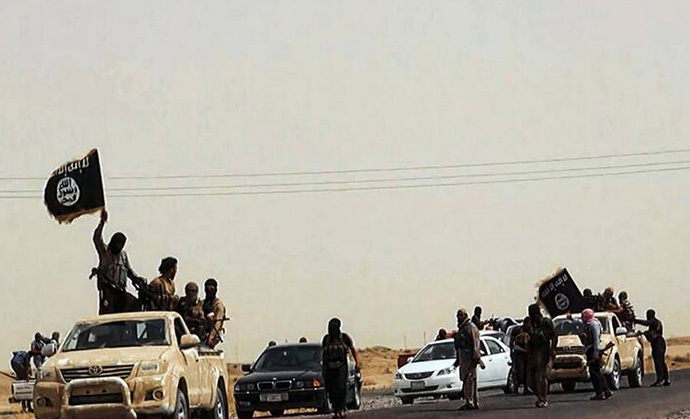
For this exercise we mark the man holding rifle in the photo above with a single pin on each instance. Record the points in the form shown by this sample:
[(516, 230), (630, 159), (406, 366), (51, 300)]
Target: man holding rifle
[(592, 340), (113, 271)]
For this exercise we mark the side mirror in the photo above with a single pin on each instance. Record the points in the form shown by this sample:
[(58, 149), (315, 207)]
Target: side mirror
[(410, 359), (621, 331), (189, 341), (246, 368)]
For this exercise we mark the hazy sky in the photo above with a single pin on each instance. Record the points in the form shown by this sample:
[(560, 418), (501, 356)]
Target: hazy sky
[(189, 88)]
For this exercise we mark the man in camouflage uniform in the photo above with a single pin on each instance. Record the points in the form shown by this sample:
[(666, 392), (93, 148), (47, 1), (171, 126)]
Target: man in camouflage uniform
[(191, 309), (113, 271)]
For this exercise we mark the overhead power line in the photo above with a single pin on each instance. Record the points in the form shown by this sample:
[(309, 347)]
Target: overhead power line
[(385, 187), (370, 181), (377, 170)]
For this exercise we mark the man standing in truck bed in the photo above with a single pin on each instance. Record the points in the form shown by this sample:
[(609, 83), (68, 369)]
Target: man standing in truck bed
[(214, 313), (113, 271), (191, 310)]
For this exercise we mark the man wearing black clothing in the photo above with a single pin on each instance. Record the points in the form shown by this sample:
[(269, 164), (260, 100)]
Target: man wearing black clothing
[(655, 336)]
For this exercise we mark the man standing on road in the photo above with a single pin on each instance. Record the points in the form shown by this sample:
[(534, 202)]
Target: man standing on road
[(542, 350), (214, 313), (592, 341), (655, 336), (113, 271), (468, 357), (519, 347)]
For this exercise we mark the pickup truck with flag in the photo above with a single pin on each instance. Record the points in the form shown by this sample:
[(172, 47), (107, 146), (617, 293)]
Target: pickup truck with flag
[(132, 365)]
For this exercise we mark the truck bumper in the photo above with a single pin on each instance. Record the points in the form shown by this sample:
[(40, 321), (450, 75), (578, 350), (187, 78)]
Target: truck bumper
[(569, 368), (104, 398)]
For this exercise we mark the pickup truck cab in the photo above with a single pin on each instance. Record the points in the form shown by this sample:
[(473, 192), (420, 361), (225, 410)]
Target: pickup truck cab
[(570, 366), (132, 365)]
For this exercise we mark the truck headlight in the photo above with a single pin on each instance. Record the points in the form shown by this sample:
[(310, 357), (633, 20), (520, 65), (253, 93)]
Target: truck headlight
[(151, 368), (47, 374)]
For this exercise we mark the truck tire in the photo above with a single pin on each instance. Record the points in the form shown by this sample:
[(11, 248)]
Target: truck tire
[(568, 386), (614, 379), (181, 406), (635, 376), (511, 386), (220, 408)]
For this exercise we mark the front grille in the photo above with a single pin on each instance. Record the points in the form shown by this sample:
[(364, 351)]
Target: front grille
[(122, 371), (419, 390), (571, 350), (566, 365), (283, 385), (265, 385), (419, 375), (95, 399)]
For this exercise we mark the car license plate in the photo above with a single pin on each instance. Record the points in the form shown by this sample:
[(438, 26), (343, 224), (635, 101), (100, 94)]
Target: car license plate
[(417, 385), (273, 397)]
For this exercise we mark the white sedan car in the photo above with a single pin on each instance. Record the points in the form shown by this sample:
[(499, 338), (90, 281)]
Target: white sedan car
[(430, 373)]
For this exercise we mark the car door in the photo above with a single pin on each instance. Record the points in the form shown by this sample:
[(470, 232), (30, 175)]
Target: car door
[(625, 350), (191, 365), (497, 362), (483, 374)]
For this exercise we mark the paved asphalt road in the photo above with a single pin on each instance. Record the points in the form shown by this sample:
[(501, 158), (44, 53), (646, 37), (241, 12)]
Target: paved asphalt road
[(641, 402)]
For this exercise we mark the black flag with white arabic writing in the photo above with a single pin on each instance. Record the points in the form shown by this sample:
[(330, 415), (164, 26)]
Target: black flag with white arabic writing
[(560, 294), (75, 189)]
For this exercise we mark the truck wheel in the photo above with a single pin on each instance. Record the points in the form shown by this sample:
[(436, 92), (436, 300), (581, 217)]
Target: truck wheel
[(568, 386), (635, 376), (220, 409), (277, 412), (615, 377), (181, 406), (407, 400)]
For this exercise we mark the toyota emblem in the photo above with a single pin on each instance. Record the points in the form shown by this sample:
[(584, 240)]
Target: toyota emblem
[(95, 370)]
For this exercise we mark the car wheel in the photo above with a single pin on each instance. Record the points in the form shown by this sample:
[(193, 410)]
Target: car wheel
[(635, 376), (245, 414), (220, 409), (277, 412), (356, 402), (181, 406), (568, 386), (511, 384), (615, 377), (407, 400)]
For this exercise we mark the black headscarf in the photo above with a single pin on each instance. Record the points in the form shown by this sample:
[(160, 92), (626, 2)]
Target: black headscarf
[(334, 328)]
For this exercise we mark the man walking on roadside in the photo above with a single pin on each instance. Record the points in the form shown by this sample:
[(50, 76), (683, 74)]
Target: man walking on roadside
[(592, 341), (542, 350), (468, 357), (655, 336)]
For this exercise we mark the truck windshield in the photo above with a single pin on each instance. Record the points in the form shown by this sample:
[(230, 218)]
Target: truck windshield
[(436, 351), (289, 358), (574, 326), (117, 334)]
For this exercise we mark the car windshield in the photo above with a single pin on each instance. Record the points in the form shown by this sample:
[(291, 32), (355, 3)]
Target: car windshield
[(435, 351), (117, 334), (574, 326), (289, 358)]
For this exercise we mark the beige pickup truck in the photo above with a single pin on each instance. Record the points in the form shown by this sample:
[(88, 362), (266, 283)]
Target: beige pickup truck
[(132, 365), (625, 357)]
